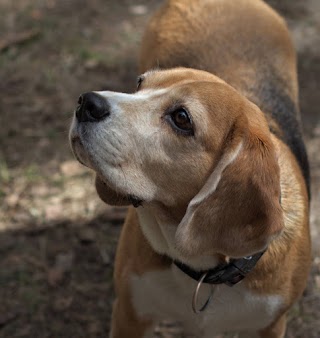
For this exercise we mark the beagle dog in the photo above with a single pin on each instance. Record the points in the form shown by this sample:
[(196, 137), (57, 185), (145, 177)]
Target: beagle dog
[(210, 153)]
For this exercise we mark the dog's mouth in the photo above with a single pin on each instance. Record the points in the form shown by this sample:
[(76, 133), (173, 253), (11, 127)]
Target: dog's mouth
[(79, 152), (86, 158), (111, 196), (135, 201)]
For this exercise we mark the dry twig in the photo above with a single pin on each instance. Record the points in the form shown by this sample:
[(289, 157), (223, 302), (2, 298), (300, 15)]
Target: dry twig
[(19, 38)]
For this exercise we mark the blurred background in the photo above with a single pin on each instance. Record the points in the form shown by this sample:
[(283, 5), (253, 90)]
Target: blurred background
[(57, 240)]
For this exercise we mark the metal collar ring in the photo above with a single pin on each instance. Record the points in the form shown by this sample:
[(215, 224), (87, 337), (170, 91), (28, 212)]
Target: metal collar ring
[(196, 293)]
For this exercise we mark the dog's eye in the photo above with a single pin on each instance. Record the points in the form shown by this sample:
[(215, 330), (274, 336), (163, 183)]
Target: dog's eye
[(181, 121), (139, 81)]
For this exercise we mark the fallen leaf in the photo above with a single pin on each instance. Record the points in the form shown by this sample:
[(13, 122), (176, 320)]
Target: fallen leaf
[(53, 212), (19, 38), (55, 276), (62, 304), (91, 64), (12, 200), (6, 318), (317, 281), (64, 261), (63, 264), (37, 14), (106, 258), (138, 9), (94, 328)]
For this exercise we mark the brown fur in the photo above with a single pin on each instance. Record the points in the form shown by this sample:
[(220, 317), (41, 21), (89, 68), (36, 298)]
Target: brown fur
[(136, 258), (206, 36)]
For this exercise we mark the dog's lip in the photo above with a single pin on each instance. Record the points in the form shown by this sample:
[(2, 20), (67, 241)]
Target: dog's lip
[(75, 144), (76, 138)]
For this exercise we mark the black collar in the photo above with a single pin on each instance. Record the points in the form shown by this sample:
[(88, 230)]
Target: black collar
[(228, 273)]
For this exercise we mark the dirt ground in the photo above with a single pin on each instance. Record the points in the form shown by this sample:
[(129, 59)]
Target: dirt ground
[(57, 240)]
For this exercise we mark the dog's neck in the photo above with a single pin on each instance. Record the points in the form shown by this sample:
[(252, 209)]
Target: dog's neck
[(159, 228)]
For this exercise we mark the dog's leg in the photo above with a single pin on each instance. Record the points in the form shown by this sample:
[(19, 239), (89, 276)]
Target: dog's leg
[(276, 330), (125, 323)]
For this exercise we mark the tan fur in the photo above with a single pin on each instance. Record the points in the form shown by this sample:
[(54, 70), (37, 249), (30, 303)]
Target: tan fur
[(188, 219), (132, 259), (205, 35)]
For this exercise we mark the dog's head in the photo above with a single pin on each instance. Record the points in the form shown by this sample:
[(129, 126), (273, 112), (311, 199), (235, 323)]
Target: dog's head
[(186, 140)]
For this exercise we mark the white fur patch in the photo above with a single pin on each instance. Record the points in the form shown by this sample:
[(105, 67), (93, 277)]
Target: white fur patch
[(167, 295), (144, 94), (162, 239)]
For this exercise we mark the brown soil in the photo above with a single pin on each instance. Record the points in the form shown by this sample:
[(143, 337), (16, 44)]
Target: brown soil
[(57, 240)]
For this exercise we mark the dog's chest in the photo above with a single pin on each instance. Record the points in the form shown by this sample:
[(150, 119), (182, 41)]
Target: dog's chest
[(167, 294)]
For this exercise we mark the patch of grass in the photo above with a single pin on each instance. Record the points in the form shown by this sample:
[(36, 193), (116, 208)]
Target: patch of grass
[(23, 276), (49, 76), (58, 181), (2, 194), (4, 172), (18, 274), (89, 54), (32, 173), (32, 298), (131, 37), (86, 53), (294, 312), (53, 133), (7, 55)]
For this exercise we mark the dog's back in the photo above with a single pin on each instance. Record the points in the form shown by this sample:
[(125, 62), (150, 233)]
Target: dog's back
[(230, 41)]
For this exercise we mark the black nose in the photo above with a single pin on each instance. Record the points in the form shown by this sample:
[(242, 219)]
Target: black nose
[(92, 108)]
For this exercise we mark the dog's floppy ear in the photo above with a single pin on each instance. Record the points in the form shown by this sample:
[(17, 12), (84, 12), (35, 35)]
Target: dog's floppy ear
[(108, 195), (237, 212)]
